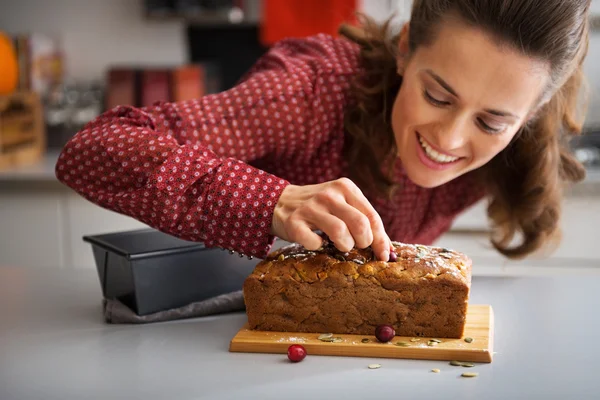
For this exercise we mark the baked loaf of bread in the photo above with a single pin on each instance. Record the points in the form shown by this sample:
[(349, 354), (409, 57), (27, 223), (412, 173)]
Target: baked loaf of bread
[(424, 292)]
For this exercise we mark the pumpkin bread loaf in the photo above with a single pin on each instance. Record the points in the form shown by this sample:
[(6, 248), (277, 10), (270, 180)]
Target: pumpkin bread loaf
[(424, 292)]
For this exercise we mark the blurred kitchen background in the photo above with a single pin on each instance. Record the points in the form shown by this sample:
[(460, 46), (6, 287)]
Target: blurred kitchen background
[(76, 58)]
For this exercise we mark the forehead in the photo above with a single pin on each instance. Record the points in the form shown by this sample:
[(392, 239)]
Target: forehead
[(482, 71)]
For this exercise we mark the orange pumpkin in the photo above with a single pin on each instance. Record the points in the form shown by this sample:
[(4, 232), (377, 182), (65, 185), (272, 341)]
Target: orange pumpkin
[(9, 67)]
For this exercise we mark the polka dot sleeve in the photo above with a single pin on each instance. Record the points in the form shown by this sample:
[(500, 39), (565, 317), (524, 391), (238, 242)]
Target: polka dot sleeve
[(184, 168)]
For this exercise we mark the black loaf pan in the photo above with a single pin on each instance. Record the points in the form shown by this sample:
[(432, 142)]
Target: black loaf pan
[(150, 271)]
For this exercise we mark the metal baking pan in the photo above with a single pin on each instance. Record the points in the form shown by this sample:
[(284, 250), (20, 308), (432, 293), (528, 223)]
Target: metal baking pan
[(150, 271)]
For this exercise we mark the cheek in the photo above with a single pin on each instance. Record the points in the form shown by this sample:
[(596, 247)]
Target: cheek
[(487, 147), (407, 113), (409, 108)]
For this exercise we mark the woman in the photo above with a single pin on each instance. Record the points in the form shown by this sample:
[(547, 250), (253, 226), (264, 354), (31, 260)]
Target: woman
[(364, 138)]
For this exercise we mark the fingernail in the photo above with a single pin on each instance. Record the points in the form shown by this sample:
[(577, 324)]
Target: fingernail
[(386, 256)]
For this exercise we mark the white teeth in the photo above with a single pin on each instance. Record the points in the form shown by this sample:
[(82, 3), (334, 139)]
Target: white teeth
[(434, 155)]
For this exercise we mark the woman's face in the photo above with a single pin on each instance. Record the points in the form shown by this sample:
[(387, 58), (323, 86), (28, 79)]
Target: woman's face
[(462, 100)]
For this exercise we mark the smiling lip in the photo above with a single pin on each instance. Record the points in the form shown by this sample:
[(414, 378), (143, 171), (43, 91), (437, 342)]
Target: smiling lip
[(436, 148), (428, 162)]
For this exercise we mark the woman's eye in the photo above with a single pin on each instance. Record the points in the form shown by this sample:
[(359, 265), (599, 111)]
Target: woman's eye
[(488, 128), (434, 101)]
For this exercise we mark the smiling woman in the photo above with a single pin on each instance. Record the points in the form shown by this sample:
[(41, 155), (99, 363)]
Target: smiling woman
[(486, 89), (454, 117), (382, 137)]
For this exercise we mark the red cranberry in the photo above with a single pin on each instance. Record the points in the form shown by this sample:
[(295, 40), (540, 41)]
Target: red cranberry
[(393, 256), (385, 333), (296, 353)]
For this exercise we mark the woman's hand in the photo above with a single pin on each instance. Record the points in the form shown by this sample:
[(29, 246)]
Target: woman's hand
[(339, 209)]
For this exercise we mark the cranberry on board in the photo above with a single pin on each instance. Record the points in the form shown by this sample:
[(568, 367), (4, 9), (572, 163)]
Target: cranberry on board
[(385, 333), (296, 353)]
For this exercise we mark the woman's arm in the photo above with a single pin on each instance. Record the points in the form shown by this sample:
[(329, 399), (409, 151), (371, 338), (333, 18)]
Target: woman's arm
[(182, 167)]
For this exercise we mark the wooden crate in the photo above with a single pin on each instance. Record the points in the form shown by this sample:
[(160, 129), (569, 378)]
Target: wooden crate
[(22, 130)]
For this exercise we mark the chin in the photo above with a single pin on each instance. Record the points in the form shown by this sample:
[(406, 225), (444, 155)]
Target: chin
[(425, 177)]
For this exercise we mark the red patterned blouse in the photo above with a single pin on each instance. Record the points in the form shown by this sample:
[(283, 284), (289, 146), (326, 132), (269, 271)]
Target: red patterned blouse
[(212, 169)]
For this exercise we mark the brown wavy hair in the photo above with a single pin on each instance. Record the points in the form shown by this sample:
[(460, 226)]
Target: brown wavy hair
[(525, 181)]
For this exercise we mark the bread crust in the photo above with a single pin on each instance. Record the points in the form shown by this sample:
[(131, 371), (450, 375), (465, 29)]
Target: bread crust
[(424, 293)]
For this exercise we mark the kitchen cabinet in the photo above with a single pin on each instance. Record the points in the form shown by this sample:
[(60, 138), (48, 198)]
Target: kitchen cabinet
[(580, 222), (44, 228), (30, 223), (42, 224)]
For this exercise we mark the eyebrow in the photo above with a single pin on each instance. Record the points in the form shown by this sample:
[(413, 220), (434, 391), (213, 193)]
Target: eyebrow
[(446, 86)]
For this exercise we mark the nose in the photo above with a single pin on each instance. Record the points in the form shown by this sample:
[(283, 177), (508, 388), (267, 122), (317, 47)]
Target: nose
[(451, 133)]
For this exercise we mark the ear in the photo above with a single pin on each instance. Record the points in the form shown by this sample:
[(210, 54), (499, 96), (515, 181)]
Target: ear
[(403, 48)]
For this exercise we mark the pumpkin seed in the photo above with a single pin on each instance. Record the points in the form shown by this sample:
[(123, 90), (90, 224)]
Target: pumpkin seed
[(281, 257), (325, 336), (469, 339), (462, 364), (469, 374), (327, 339), (337, 340), (299, 255), (365, 340), (430, 343), (436, 370), (374, 366), (402, 344), (435, 340), (446, 255), (415, 339), (339, 257)]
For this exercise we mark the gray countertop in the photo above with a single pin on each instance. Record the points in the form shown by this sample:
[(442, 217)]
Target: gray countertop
[(54, 345)]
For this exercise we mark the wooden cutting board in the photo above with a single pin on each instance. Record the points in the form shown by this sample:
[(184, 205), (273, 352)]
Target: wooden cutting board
[(479, 326)]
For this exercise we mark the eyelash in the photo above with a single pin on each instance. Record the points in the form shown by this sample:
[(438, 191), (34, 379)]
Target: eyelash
[(438, 103), (486, 127), (434, 101)]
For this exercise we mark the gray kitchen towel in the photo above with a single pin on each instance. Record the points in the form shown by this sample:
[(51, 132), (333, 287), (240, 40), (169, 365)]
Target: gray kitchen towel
[(116, 312)]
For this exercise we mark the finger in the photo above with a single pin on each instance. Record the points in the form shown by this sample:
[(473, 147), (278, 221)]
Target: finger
[(381, 243), (358, 224), (354, 196), (334, 227), (300, 232)]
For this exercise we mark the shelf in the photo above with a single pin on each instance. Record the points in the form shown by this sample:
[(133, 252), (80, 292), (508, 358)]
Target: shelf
[(229, 18)]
